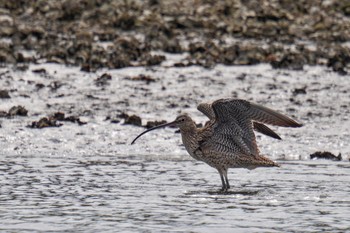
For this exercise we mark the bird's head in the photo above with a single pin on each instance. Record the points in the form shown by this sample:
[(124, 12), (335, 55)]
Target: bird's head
[(183, 121)]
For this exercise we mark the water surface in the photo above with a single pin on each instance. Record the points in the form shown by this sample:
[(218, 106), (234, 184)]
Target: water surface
[(107, 194)]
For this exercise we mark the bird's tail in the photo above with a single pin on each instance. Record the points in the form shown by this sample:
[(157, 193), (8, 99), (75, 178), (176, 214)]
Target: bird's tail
[(266, 162), (261, 161)]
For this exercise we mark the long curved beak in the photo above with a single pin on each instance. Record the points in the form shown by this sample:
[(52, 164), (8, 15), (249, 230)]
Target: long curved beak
[(155, 127)]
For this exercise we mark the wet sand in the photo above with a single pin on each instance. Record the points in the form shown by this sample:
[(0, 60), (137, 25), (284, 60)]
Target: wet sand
[(316, 97)]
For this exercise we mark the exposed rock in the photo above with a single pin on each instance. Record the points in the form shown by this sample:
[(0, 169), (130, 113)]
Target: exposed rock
[(45, 122), (289, 61), (172, 45), (3, 114), (141, 77), (325, 155), (6, 25), (133, 120), (17, 111), (74, 119), (129, 120), (152, 60), (39, 86), (212, 32), (103, 79), (4, 94), (115, 121), (151, 124), (298, 91), (40, 71), (339, 61), (52, 121), (60, 116)]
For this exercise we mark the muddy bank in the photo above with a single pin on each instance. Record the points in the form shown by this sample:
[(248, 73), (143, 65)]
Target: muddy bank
[(75, 112), (65, 177), (94, 34)]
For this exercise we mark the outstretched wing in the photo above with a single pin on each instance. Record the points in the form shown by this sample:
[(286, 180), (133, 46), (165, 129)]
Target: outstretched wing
[(226, 109), (233, 126), (207, 110), (261, 128)]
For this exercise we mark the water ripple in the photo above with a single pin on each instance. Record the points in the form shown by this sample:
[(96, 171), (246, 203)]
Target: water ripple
[(103, 193)]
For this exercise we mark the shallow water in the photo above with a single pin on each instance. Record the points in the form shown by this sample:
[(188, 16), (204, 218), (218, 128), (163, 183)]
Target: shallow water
[(107, 194), (88, 178)]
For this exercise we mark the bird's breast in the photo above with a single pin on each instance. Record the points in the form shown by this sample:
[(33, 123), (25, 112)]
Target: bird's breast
[(192, 145)]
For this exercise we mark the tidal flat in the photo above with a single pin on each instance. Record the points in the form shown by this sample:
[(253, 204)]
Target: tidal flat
[(87, 177)]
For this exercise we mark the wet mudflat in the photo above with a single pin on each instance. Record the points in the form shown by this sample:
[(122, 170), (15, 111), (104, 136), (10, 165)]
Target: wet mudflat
[(106, 193), (88, 178)]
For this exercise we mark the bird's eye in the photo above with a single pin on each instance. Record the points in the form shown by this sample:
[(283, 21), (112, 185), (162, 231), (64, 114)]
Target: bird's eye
[(183, 119)]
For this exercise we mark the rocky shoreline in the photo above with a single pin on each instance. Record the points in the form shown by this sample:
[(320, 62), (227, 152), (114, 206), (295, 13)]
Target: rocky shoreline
[(97, 34)]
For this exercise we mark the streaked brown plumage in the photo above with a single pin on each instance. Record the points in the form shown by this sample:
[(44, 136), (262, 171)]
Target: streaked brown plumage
[(208, 110), (228, 139)]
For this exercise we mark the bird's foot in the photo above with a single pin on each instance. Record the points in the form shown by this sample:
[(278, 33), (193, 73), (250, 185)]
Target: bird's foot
[(224, 189)]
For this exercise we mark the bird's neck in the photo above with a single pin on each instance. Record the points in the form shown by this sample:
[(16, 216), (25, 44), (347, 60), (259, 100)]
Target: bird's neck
[(189, 136)]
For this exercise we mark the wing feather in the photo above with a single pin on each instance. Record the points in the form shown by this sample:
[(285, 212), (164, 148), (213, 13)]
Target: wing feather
[(225, 109), (207, 110), (261, 128), (234, 124)]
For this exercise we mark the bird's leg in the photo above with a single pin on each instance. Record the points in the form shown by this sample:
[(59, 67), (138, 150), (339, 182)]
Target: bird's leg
[(224, 187), (226, 179), (223, 183)]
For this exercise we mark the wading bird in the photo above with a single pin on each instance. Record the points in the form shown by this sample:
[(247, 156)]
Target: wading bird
[(227, 140)]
